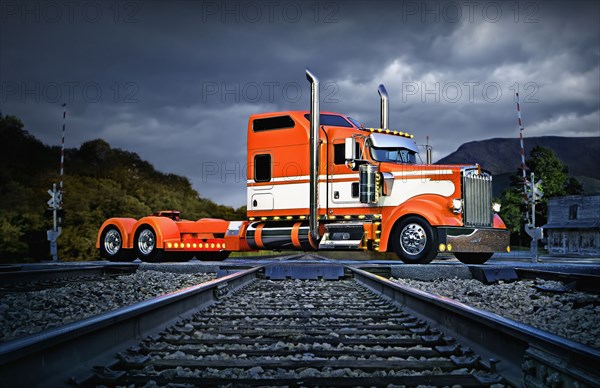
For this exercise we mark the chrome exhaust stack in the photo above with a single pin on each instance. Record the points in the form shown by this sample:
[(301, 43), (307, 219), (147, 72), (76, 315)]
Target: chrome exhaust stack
[(385, 105), (429, 154), (313, 222)]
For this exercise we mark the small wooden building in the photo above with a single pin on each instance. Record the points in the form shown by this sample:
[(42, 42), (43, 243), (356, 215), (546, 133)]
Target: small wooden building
[(573, 226)]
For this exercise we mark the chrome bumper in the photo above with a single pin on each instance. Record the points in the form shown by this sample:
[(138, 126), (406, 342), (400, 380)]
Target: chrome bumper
[(480, 240)]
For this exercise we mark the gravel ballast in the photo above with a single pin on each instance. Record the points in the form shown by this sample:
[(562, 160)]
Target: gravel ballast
[(282, 330), (572, 314), (26, 313)]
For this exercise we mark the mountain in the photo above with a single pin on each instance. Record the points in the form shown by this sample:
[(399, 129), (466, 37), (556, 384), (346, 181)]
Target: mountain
[(502, 157), (100, 182)]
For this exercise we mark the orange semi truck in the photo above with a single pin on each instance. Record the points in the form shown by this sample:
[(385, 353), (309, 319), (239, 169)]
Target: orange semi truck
[(321, 181)]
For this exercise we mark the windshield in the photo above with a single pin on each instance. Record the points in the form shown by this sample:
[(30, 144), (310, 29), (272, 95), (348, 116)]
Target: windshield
[(356, 123), (393, 155)]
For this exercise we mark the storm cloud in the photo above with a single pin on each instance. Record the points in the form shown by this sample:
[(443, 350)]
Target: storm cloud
[(175, 82)]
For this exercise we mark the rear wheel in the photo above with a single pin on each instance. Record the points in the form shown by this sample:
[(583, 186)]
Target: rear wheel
[(111, 245), (145, 245), (473, 258), (414, 241)]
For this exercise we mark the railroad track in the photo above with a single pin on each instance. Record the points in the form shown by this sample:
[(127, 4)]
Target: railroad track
[(579, 281), (309, 333), (24, 278), (582, 279), (261, 327)]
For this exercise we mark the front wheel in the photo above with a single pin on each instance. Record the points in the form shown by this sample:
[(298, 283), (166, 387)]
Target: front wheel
[(144, 245), (472, 258), (414, 241)]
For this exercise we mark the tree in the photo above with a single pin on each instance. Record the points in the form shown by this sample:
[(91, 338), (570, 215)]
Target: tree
[(555, 183)]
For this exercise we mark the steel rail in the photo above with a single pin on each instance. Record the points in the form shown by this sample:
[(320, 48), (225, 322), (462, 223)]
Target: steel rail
[(52, 357), (25, 275), (522, 351), (577, 280)]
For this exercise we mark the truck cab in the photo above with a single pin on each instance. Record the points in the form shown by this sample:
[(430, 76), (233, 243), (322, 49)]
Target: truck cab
[(374, 192)]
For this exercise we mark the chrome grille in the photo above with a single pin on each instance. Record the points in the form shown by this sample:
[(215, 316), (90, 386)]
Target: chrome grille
[(477, 195)]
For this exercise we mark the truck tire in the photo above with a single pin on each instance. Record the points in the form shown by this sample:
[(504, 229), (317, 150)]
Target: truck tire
[(414, 241), (472, 258), (144, 245), (111, 245)]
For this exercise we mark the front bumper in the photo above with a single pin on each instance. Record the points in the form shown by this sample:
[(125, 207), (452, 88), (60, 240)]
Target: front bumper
[(480, 240)]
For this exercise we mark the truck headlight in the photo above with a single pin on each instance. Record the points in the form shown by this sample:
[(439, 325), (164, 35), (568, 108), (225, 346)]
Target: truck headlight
[(457, 205), (496, 207)]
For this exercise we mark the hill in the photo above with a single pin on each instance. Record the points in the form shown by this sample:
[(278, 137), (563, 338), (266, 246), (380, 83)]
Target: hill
[(100, 182), (502, 157)]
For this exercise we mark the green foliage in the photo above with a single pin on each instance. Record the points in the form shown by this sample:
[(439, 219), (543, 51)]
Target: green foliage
[(512, 210), (546, 166), (11, 237), (100, 182), (555, 182)]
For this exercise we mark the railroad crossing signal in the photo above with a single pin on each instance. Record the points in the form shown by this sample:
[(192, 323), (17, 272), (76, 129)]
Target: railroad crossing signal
[(55, 201), (534, 194), (535, 191), (55, 204)]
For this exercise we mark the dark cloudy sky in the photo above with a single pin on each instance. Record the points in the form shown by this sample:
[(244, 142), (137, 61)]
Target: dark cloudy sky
[(176, 81)]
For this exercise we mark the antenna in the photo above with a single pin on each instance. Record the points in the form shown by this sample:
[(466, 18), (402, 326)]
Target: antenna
[(428, 151)]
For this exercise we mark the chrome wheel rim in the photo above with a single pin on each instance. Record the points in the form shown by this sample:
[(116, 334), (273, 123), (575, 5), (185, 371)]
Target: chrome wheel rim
[(146, 242), (413, 239), (112, 242)]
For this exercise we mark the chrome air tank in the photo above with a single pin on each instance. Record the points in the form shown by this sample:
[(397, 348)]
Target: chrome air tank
[(367, 189)]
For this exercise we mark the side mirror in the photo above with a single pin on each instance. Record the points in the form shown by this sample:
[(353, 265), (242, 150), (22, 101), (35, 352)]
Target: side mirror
[(350, 149)]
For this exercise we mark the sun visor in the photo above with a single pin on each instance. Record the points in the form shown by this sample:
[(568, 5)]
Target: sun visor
[(382, 140)]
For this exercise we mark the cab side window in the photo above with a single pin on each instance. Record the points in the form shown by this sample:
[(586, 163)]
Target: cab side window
[(339, 153), (262, 168)]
